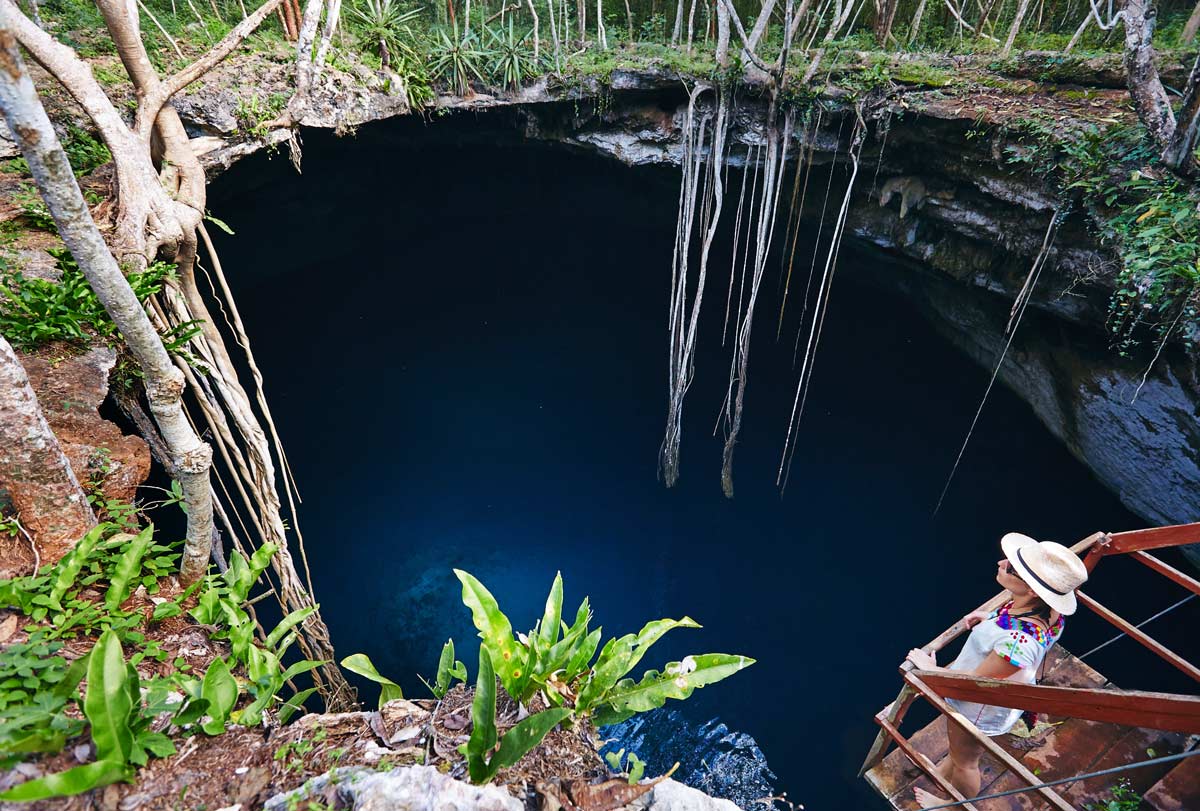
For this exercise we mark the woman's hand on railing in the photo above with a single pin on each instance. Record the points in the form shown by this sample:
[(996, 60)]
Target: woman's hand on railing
[(974, 618), (922, 660)]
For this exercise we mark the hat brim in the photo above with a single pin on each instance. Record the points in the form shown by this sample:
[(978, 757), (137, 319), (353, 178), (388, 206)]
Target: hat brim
[(1064, 604)]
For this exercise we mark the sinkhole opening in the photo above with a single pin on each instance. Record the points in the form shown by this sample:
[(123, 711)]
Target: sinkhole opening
[(464, 337)]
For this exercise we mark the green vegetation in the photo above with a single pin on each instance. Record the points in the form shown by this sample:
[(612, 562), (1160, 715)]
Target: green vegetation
[(557, 664), (37, 311), (1122, 797), (86, 594), (1147, 213), (633, 765)]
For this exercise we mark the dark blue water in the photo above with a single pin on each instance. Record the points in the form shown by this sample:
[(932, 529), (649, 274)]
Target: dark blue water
[(465, 347)]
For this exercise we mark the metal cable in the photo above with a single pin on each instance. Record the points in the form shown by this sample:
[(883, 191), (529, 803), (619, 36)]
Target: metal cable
[(1166, 610), (1060, 781)]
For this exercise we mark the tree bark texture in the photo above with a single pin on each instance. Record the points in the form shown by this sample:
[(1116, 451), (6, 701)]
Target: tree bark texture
[(1181, 149), (55, 180), (49, 501), (1149, 97)]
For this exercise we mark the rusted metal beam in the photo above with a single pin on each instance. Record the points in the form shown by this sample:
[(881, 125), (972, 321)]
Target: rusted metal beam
[(1153, 538), (1167, 570), (1169, 711), (921, 762), (894, 714), (1014, 765), (1132, 631)]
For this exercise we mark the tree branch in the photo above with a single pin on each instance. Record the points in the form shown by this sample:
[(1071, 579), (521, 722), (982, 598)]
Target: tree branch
[(153, 101)]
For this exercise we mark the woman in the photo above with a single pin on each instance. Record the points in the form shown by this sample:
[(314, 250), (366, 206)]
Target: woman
[(1009, 643)]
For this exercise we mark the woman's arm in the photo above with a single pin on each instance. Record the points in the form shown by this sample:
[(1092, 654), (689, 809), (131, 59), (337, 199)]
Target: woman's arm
[(993, 667)]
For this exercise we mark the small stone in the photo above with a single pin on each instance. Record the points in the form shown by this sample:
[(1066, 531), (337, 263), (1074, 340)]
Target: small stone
[(82, 752)]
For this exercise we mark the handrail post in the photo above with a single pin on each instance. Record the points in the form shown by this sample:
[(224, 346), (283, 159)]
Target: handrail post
[(894, 714)]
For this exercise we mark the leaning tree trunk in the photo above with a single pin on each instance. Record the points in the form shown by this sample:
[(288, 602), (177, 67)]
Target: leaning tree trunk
[(722, 34), (1191, 27), (1015, 28), (1149, 97), (1180, 151), (49, 502), (164, 383)]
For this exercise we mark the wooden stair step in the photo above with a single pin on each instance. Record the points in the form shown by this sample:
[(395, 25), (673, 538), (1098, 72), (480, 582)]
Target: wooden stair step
[(1137, 744), (1072, 748), (1178, 790)]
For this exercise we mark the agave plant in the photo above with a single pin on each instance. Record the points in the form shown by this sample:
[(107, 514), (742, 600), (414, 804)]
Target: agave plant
[(385, 25), (456, 60), (512, 61)]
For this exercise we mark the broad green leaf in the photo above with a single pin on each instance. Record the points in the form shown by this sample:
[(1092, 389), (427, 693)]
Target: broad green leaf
[(73, 676), (261, 559), (621, 655), (129, 565), (72, 781), (523, 737), (157, 744), (583, 654), (563, 651), (361, 664), (220, 690), (677, 681), (237, 576), (163, 611), (483, 720), (495, 630), (288, 623), (67, 569), (107, 704), (637, 768), (447, 668), (302, 667), (552, 615), (293, 704)]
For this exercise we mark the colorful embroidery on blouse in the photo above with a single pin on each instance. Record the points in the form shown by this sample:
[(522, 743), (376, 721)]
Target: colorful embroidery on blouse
[(1010, 650)]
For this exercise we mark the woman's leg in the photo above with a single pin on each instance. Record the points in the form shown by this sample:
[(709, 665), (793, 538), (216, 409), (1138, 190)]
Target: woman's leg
[(960, 767)]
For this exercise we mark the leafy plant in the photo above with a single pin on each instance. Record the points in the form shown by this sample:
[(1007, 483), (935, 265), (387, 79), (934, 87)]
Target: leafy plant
[(557, 660), (1122, 797), (456, 61), (36, 311), (361, 664), (84, 151), (634, 765), (34, 209), (510, 60), (448, 670), (482, 764), (385, 25), (120, 729)]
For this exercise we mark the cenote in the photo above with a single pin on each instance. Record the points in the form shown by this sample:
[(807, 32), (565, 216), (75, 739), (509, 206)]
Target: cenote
[(464, 339)]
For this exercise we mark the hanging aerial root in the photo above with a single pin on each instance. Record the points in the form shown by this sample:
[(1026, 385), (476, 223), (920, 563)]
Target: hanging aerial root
[(821, 305), (774, 164), (1018, 312), (684, 318)]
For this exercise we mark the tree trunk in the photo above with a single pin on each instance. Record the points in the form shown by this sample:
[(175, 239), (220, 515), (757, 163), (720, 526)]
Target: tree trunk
[(1181, 150), (915, 26), (1191, 27), (304, 48), (677, 31), (884, 19), (537, 31), (33, 468), (164, 383), (601, 37), (629, 19), (1015, 28), (1149, 97), (722, 34)]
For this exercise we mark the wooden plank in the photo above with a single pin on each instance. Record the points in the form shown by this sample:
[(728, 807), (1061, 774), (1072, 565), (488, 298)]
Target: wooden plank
[(1179, 790), (1013, 764), (1025, 801), (896, 772), (1169, 711), (1133, 632), (1135, 745), (1153, 538), (925, 763), (1070, 671), (1167, 570), (1072, 748)]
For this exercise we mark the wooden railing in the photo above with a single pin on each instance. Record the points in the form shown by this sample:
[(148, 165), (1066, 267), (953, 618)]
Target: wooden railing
[(1168, 711)]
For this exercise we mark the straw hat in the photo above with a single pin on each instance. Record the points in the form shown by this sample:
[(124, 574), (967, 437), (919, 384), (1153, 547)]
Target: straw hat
[(1052, 570)]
